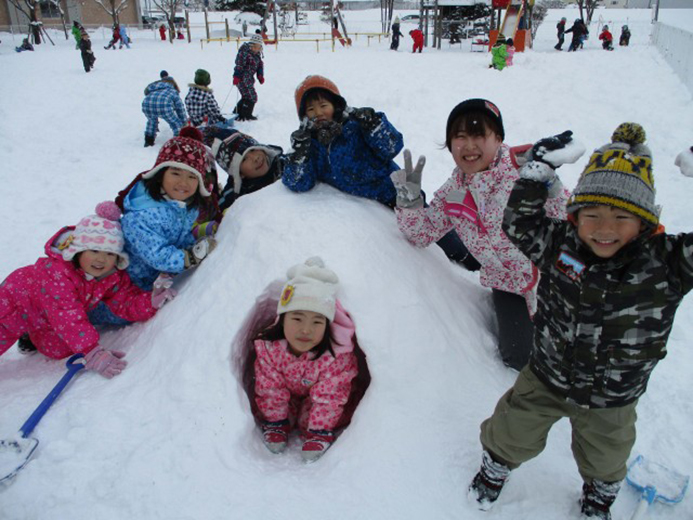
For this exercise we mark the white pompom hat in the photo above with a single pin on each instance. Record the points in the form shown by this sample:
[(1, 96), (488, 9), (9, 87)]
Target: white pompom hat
[(310, 287)]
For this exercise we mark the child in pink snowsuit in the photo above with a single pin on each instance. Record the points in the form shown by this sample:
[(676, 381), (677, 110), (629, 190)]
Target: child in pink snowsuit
[(45, 305), (305, 362)]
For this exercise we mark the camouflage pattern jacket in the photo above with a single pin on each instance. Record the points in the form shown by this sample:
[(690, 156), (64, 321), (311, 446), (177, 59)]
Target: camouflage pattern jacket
[(602, 324)]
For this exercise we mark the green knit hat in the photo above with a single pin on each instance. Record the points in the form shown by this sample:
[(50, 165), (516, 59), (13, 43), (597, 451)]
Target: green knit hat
[(202, 77)]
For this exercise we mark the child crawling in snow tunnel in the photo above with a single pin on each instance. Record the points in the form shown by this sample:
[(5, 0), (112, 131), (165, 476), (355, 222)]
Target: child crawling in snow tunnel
[(301, 363)]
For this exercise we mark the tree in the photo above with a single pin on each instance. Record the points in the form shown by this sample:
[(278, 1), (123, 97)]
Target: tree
[(30, 8), (587, 6), (113, 8), (169, 8), (244, 6)]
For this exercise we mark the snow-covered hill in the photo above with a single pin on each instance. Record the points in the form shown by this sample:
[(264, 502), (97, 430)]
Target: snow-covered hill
[(172, 438)]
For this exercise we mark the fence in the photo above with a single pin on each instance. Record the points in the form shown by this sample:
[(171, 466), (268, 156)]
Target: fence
[(675, 44)]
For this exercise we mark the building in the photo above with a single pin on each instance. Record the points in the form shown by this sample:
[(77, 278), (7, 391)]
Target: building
[(87, 12)]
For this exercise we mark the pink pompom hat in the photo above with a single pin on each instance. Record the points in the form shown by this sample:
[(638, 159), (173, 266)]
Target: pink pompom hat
[(99, 232)]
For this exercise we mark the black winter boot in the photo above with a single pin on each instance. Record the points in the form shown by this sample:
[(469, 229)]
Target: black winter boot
[(488, 483), (25, 345), (597, 497), (249, 111), (148, 140)]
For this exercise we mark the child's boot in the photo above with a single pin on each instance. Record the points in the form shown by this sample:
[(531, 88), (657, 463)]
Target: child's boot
[(25, 345), (249, 111), (148, 140), (275, 435), (488, 483), (316, 443), (597, 497)]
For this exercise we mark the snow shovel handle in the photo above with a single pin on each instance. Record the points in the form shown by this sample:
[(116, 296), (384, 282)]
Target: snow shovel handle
[(33, 420), (647, 497)]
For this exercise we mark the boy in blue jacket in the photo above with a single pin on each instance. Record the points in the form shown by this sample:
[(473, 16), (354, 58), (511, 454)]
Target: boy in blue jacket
[(349, 148)]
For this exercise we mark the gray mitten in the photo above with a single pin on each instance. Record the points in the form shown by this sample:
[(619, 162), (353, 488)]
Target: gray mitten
[(199, 251), (408, 183)]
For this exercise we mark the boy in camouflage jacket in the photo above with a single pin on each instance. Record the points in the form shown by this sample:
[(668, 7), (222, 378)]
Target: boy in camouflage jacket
[(611, 281)]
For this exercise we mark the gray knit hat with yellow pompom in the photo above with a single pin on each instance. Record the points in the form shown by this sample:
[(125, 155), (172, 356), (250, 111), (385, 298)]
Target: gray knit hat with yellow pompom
[(619, 174)]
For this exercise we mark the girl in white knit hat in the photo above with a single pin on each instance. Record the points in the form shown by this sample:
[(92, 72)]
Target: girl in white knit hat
[(305, 363), (45, 305)]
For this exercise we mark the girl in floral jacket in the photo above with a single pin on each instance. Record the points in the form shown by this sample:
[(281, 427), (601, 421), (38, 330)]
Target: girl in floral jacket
[(305, 363), (45, 305), (472, 202)]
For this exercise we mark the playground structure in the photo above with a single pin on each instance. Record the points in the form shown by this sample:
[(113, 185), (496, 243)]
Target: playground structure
[(514, 23)]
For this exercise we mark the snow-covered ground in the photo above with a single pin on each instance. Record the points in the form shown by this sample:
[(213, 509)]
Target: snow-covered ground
[(172, 438)]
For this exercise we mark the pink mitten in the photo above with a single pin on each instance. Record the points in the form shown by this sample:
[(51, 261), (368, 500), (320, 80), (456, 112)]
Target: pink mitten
[(108, 363), (161, 296)]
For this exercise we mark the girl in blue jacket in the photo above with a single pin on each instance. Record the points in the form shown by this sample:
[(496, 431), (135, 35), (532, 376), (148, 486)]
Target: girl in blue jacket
[(159, 209)]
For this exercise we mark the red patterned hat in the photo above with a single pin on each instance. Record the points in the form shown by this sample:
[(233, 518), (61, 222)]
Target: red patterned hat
[(187, 152)]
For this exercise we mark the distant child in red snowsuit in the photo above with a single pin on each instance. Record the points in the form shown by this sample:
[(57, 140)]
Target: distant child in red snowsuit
[(305, 363), (418, 38), (162, 32), (607, 39), (45, 305)]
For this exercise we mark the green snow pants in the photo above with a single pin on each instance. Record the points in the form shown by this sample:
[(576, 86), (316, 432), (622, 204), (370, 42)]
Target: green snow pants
[(602, 438)]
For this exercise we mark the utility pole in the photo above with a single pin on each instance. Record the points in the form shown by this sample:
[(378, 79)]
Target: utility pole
[(656, 15)]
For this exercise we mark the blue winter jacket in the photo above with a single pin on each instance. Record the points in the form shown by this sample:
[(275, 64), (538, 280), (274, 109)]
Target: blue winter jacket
[(156, 233), (355, 162)]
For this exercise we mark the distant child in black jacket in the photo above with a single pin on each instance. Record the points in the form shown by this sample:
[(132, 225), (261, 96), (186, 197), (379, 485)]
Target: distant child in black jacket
[(88, 57)]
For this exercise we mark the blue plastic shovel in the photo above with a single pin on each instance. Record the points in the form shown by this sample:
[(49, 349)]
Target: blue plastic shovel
[(655, 483), (15, 453)]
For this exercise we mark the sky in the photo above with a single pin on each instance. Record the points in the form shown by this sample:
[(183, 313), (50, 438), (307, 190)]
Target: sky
[(172, 437)]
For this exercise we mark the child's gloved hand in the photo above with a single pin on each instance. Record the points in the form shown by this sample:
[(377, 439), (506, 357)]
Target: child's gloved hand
[(261, 79), (201, 250), (301, 138), (108, 363), (162, 291), (684, 161), (236, 80), (365, 117), (557, 150), (408, 183)]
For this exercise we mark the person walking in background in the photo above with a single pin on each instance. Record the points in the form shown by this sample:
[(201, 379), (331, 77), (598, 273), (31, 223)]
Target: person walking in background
[(77, 30), (396, 34), (248, 65), (560, 32), (115, 38), (624, 39), (124, 38), (580, 32), (88, 57)]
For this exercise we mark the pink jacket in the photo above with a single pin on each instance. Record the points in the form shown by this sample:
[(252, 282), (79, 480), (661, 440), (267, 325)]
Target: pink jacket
[(511, 52), (50, 300), (485, 196), (325, 383)]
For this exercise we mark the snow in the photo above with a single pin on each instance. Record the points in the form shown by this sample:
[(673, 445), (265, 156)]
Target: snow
[(172, 437)]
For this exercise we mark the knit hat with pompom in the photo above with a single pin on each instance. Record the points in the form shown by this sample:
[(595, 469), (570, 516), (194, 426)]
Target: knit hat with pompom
[(310, 287), (100, 232), (619, 174), (187, 152)]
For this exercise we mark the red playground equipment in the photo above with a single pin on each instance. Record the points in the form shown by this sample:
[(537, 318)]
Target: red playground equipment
[(514, 23)]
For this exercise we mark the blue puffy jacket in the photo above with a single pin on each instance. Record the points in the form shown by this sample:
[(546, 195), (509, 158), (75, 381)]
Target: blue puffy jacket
[(356, 162), (156, 233)]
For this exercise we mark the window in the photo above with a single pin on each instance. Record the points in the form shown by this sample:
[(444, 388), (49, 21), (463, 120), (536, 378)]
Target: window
[(49, 9)]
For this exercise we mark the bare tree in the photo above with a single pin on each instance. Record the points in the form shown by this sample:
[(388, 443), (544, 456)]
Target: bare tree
[(30, 8), (59, 7), (587, 7), (169, 7), (113, 8)]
